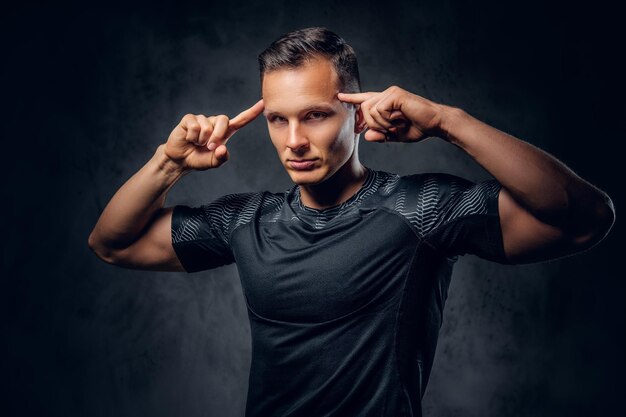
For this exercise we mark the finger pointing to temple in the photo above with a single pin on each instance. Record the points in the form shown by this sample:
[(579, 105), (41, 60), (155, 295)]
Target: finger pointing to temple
[(246, 116), (356, 98)]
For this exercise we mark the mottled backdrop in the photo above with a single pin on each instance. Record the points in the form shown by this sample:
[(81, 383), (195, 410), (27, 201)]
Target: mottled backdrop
[(90, 92)]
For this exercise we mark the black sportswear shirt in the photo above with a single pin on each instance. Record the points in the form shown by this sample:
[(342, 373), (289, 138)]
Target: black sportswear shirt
[(345, 303)]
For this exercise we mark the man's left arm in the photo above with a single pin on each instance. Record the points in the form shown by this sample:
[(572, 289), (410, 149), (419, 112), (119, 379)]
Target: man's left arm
[(546, 210)]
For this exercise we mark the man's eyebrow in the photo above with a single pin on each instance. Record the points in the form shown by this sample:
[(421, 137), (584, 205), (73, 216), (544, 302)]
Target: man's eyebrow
[(318, 106)]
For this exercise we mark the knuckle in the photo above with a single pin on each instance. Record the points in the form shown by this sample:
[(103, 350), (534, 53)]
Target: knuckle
[(206, 132), (219, 120), (193, 127)]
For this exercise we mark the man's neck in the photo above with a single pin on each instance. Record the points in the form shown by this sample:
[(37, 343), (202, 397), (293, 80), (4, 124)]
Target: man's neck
[(336, 189)]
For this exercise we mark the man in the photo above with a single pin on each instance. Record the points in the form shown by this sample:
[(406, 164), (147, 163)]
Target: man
[(345, 274)]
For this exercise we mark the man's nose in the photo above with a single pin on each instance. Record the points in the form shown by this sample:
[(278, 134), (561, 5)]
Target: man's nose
[(296, 140)]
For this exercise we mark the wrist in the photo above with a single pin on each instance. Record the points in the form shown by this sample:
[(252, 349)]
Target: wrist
[(451, 121), (166, 165)]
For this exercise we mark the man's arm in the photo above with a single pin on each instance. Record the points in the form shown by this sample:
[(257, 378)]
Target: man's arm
[(134, 229), (546, 210)]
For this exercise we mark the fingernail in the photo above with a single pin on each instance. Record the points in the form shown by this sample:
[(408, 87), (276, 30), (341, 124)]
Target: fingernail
[(212, 146)]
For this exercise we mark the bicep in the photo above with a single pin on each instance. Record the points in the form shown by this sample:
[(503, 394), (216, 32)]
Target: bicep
[(525, 238), (153, 250)]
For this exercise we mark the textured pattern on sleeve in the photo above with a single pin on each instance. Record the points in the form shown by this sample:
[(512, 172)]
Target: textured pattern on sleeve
[(454, 215), (201, 235)]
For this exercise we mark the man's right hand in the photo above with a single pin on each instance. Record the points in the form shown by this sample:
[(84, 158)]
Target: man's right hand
[(199, 142)]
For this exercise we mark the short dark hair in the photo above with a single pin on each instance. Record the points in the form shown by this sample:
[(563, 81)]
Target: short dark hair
[(292, 49)]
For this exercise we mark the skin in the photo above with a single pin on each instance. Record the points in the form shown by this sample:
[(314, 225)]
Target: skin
[(306, 120), (134, 229), (546, 211)]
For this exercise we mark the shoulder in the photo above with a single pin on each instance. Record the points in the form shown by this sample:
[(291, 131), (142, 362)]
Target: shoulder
[(432, 199), (448, 187), (241, 208), (241, 203), (419, 189), (432, 184), (423, 188), (227, 212)]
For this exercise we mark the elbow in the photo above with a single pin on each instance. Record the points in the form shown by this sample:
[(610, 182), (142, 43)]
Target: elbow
[(606, 217), (601, 224), (100, 250)]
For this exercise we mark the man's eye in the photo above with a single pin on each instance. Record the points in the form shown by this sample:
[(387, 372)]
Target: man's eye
[(277, 119), (316, 115)]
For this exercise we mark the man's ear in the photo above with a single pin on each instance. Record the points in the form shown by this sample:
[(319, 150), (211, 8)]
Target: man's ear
[(359, 120)]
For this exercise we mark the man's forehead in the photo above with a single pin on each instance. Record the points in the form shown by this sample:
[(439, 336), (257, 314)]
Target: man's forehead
[(313, 75), (313, 84)]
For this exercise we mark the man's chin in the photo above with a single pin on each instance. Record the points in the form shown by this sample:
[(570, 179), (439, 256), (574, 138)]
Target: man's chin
[(306, 177)]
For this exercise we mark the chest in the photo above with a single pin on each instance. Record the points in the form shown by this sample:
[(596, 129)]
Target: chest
[(292, 272)]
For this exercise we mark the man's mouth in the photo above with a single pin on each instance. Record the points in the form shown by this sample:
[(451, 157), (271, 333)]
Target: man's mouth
[(302, 164)]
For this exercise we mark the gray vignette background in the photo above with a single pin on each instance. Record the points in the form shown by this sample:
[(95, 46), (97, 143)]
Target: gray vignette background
[(90, 92)]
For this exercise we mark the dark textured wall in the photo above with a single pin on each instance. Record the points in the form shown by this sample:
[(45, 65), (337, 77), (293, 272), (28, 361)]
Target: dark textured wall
[(89, 93)]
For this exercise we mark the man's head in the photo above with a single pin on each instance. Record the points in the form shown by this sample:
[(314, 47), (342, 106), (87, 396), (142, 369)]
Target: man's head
[(301, 74), (293, 49)]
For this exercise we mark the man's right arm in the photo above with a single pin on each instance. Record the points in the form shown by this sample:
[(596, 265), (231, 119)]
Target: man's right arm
[(134, 229)]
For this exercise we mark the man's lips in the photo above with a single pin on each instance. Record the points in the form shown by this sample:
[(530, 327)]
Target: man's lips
[(302, 163)]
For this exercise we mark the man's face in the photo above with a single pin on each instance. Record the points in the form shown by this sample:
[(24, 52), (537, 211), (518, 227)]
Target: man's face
[(312, 131)]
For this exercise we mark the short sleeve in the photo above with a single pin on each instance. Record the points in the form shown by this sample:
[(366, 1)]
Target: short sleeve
[(461, 217), (199, 236)]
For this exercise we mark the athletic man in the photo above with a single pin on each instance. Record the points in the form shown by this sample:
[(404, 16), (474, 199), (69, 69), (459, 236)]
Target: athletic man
[(345, 274)]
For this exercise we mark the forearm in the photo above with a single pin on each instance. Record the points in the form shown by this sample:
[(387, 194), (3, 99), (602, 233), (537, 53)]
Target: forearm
[(135, 203), (543, 185)]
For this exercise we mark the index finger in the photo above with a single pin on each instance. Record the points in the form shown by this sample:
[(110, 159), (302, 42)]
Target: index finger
[(246, 116), (355, 98)]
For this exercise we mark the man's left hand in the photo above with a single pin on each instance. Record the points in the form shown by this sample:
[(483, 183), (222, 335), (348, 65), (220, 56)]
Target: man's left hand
[(397, 115)]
